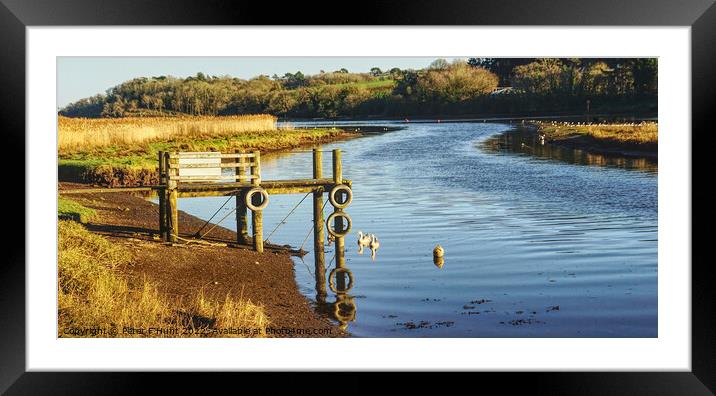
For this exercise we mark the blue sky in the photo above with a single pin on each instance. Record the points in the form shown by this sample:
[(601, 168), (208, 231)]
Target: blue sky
[(80, 77)]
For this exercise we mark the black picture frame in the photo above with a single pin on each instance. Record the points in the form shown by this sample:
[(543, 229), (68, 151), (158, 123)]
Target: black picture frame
[(700, 15)]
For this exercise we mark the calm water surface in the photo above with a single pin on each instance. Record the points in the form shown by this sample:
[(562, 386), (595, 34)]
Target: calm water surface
[(536, 246)]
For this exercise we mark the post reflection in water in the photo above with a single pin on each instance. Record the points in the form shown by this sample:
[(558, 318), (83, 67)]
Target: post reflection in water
[(338, 226), (522, 233), (340, 279)]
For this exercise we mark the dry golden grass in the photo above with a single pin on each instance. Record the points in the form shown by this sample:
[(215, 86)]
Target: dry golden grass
[(230, 313), (629, 133), (94, 297), (76, 134), (647, 132)]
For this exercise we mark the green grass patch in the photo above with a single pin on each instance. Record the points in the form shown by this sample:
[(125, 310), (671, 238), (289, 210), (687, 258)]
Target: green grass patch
[(68, 209)]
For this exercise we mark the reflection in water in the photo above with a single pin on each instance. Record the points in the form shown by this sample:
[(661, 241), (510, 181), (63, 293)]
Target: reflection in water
[(438, 254), (340, 279), (522, 235), (374, 245), (522, 140)]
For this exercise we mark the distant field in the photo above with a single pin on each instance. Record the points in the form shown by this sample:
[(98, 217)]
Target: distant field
[(370, 84)]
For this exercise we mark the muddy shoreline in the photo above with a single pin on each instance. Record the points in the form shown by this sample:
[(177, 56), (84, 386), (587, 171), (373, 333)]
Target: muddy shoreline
[(221, 269)]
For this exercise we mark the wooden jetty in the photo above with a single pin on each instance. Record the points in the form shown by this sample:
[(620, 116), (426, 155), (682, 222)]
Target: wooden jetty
[(200, 174), (195, 174)]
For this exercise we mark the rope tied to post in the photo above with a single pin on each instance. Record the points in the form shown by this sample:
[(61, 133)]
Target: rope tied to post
[(218, 222), (231, 195), (311, 229), (282, 222)]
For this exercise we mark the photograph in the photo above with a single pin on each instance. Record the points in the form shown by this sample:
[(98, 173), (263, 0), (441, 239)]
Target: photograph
[(511, 191), (357, 196)]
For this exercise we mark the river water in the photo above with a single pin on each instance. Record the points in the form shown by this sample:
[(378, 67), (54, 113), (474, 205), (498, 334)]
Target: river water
[(538, 242)]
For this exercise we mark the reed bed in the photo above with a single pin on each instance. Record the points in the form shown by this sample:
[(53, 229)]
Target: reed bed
[(628, 133), (85, 134), (123, 151)]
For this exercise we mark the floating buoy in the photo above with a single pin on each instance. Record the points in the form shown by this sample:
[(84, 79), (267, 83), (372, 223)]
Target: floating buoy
[(438, 251)]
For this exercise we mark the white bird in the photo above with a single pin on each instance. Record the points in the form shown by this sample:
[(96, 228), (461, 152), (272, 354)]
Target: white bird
[(363, 241), (374, 245)]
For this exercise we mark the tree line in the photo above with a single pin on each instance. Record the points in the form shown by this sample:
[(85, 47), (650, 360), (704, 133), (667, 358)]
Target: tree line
[(475, 86)]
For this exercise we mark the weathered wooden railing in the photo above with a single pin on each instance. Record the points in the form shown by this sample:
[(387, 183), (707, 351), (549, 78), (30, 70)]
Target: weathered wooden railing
[(203, 169), (201, 173)]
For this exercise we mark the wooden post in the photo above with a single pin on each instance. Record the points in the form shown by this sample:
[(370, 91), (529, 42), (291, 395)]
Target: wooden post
[(319, 254), (256, 169), (168, 209), (337, 167), (257, 215), (258, 226), (162, 192), (340, 256), (242, 223), (338, 226), (173, 213)]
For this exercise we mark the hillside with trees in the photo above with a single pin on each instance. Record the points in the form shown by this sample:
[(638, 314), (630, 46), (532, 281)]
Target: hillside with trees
[(479, 86)]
